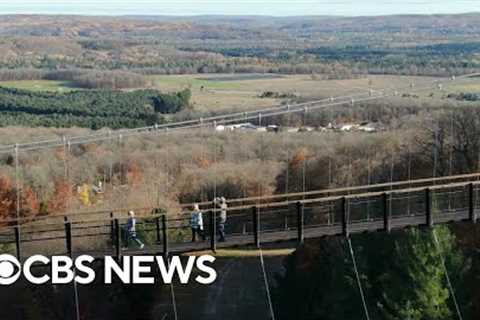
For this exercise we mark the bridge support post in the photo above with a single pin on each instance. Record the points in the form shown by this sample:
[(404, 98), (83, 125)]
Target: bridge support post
[(157, 230), (165, 235), (344, 209), (471, 206), (387, 219), (112, 229), (300, 222), (428, 208), (256, 227), (68, 238), (213, 230), (18, 240), (118, 240)]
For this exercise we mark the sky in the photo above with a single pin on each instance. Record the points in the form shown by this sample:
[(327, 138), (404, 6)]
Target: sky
[(238, 7)]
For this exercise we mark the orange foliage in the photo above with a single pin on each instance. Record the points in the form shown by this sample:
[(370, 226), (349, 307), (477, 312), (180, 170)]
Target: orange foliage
[(58, 202), (29, 204), (90, 147), (203, 162), (134, 174), (7, 198), (298, 158)]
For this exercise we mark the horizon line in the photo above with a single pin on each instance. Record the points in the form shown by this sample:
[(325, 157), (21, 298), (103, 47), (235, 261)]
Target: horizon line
[(235, 15)]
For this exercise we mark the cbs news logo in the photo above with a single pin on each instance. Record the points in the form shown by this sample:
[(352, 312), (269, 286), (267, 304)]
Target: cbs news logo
[(129, 270)]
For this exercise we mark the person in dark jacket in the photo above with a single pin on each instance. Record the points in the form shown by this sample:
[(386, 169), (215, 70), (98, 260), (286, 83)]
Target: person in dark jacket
[(130, 231), (222, 204)]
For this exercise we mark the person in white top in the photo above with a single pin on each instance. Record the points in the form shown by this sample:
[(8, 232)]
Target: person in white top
[(196, 223)]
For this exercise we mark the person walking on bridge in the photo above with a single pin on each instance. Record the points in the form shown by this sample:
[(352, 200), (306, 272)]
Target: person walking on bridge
[(196, 223), (222, 204), (130, 230)]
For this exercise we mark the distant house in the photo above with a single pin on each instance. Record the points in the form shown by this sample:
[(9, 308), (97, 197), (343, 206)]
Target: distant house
[(347, 127), (370, 127), (367, 128), (272, 128), (237, 126)]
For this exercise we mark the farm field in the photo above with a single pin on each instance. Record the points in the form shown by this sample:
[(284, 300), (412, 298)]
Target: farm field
[(234, 92), (301, 84)]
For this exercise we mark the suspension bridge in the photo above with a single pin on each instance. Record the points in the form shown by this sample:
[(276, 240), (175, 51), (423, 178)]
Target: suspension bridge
[(256, 221)]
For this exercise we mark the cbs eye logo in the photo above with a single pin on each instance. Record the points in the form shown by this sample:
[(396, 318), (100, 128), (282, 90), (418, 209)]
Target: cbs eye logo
[(9, 269)]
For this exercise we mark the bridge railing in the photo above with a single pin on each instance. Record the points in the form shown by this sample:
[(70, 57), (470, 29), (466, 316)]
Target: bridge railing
[(120, 212), (263, 222)]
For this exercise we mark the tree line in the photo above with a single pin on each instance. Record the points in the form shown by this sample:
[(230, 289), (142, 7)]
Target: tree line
[(90, 108), (81, 78)]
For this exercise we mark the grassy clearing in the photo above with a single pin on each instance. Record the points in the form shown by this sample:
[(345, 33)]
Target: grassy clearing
[(39, 85), (194, 82), (247, 252), (216, 92), (466, 87)]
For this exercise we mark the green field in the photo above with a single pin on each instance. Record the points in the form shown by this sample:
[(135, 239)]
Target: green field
[(241, 92), (195, 82)]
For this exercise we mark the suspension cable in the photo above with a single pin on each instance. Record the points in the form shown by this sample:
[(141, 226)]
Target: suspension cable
[(17, 184), (267, 289), (172, 294), (203, 161), (110, 170), (76, 296), (477, 198), (305, 158), (262, 146), (243, 151), (409, 174), (449, 283), (215, 169), (168, 169), (123, 168), (287, 151), (359, 282), (67, 173), (450, 160), (369, 176), (435, 152)]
